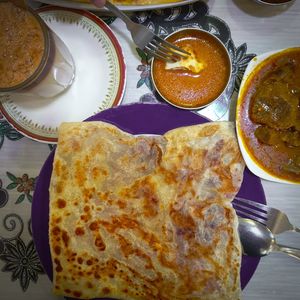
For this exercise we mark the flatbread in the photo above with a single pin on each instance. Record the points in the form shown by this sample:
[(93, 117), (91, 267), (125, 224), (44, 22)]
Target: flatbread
[(146, 217)]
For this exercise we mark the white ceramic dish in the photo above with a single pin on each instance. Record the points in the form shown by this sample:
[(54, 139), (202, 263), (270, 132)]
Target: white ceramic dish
[(72, 4), (99, 81), (251, 164)]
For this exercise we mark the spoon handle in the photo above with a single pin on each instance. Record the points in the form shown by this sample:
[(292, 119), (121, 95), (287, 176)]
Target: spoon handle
[(295, 252)]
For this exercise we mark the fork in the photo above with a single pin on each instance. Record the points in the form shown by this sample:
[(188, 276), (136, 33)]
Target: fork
[(276, 220), (147, 41)]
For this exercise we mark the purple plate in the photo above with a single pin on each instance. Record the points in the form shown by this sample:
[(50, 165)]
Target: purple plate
[(135, 119)]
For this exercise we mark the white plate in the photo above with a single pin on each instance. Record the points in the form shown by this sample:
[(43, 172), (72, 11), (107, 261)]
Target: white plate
[(99, 82), (72, 4), (251, 164)]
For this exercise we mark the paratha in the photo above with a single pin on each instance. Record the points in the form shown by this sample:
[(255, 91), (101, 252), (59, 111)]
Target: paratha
[(146, 217)]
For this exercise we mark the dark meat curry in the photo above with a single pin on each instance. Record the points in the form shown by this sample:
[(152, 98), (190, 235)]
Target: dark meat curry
[(270, 115)]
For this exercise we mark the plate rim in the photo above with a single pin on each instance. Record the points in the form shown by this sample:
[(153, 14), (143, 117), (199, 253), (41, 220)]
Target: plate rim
[(250, 261), (121, 64)]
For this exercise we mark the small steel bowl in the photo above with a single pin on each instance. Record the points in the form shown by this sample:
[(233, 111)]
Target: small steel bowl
[(170, 92)]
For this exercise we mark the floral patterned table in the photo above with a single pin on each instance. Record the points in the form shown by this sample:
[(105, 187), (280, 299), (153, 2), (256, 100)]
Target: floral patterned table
[(238, 22)]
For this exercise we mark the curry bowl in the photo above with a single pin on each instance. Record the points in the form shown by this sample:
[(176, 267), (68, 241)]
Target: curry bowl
[(268, 116), (196, 81)]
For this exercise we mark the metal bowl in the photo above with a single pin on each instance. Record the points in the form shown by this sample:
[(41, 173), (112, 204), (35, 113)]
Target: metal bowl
[(187, 33)]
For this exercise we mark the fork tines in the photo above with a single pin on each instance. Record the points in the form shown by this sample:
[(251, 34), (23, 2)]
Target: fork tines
[(250, 209), (164, 50)]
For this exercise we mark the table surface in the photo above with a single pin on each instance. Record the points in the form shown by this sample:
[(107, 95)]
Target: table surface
[(263, 29)]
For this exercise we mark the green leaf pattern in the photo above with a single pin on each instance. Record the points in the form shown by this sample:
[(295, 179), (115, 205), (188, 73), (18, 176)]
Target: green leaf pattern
[(23, 184), (20, 199), (12, 186), (12, 177)]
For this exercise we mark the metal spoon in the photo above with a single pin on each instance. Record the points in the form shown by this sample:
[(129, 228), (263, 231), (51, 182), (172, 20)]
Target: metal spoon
[(258, 240)]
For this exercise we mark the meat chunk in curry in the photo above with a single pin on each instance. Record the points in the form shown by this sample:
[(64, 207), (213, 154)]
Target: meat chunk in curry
[(271, 136), (276, 101)]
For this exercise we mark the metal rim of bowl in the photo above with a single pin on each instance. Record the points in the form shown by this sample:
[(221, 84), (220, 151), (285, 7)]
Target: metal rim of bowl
[(225, 87), (47, 44), (274, 4)]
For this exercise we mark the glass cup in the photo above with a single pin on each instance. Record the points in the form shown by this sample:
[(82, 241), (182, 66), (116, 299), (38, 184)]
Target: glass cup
[(55, 72)]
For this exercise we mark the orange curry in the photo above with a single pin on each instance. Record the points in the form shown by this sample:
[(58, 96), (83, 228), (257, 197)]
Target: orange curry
[(185, 87), (22, 44), (270, 115)]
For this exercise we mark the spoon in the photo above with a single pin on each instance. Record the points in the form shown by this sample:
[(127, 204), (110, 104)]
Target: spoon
[(258, 240)]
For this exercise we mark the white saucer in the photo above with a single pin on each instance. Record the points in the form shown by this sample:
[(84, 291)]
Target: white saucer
[(99, 83)]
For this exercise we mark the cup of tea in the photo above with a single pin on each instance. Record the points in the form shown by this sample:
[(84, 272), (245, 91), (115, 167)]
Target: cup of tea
[(34, 61)]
